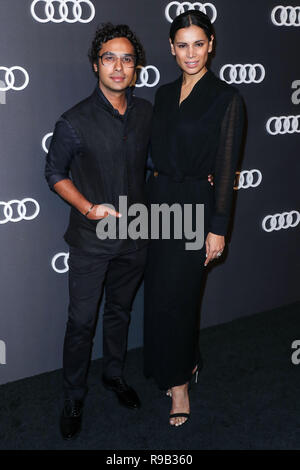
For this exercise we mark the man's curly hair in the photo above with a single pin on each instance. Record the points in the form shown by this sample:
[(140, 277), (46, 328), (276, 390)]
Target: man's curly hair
[(108, 31)]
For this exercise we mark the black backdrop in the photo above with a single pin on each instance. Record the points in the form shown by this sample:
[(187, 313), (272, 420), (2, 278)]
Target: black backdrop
[(262, 266)]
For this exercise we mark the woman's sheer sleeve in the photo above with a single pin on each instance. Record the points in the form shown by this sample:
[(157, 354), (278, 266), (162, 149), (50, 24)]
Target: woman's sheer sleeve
[(227, 156)]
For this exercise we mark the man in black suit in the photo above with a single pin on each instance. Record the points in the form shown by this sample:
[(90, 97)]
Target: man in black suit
[(102, 141)]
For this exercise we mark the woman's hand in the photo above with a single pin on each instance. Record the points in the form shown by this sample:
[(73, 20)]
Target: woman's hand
[(214, 245), (211, 179), (100, 211)]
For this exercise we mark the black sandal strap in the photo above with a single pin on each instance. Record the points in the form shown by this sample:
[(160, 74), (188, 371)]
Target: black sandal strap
[(179, 415)]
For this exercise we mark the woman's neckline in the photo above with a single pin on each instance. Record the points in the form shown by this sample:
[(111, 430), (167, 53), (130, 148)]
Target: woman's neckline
[(180, 80)]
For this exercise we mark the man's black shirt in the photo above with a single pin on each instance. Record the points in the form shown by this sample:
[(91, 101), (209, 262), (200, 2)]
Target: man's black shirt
[(105, 153)]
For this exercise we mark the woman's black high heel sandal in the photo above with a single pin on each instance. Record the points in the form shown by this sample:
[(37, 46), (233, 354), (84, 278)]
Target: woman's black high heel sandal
[(179, 415), (193, 380)]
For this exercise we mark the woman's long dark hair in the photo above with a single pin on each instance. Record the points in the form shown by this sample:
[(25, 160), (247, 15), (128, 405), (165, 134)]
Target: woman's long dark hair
[(189, 17)]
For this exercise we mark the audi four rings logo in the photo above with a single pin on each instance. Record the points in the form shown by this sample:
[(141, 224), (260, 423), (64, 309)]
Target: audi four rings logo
[(44, 140), (146, 78), (2, 352), (174, 9), (279, 221), (10, 79), (283, 125), (247, 178), (64, 13), (286, 16), (60, 258), (14, 210), (239, 73)]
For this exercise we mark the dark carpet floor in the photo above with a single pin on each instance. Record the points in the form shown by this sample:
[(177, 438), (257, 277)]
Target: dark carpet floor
[(248, 397)]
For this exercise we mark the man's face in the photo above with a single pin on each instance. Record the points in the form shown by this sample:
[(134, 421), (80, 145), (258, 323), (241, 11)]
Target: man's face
[(115, 77)]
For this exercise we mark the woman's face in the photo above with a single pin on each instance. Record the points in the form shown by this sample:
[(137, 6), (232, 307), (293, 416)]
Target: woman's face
[(191, 47)]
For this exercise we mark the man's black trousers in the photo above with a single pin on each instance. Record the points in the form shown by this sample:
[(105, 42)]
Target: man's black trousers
[(87, 275)]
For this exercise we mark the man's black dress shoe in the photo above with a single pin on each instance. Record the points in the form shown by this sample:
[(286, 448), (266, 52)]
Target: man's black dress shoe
[(70, 420), (126, 395)]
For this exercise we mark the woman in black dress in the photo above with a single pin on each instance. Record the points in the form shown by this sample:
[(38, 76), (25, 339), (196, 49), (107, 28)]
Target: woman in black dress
[(197, 130)]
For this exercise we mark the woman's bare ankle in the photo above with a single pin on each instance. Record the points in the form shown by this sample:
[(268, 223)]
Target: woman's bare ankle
[(179, 389)]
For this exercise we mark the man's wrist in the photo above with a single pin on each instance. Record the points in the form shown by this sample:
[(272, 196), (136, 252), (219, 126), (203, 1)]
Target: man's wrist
[(89, 210)]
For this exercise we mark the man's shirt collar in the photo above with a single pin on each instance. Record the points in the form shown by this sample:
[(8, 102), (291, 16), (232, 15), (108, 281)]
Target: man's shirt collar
[(103, 101)]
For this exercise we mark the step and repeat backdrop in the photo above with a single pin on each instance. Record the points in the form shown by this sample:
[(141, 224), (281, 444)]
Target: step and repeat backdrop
[(44, 70)]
